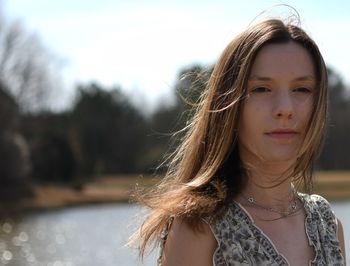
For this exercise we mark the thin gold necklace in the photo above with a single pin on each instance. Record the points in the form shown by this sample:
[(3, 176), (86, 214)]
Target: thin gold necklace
[(292, 207)]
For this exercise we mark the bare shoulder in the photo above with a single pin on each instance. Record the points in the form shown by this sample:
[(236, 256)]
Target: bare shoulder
[(340, 234), (187, 247)]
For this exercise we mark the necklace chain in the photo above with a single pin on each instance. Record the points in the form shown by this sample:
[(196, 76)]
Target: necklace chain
[(292, 208)]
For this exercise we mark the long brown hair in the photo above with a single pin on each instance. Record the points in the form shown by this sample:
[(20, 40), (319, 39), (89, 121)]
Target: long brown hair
[(205, 171)]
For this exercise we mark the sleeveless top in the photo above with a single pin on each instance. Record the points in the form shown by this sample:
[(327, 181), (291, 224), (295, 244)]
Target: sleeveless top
[(241, 242)]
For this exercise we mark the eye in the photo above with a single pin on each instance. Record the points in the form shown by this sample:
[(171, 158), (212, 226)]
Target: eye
[(260, 89), (303, 89)]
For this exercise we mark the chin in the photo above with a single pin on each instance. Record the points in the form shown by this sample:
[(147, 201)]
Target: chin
[(280, 158)]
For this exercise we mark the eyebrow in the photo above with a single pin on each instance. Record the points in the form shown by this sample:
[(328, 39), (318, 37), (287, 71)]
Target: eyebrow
[(302, 78)]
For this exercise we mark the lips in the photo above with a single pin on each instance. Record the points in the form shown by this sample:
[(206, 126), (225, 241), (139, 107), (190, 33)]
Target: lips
[(282, 133)]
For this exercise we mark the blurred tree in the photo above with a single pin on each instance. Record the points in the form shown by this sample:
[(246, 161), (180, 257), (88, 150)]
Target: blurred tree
[(109, 131), (338, 94), (335, 155), (28, 71), (49, 140), (14, 153)]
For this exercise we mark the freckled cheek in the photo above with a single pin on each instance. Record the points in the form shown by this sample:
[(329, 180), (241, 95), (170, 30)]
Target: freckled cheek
[(250, 120), (303, 101), (304, 108), (255, 106)]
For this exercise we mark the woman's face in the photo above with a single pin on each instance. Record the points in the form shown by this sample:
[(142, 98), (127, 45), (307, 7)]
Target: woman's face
[(277, 109)]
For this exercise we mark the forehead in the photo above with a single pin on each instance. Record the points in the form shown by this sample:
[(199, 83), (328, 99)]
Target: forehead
[(283, 60)]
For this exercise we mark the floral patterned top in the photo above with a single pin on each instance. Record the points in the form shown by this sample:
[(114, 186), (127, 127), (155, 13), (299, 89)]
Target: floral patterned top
[(240, 242)]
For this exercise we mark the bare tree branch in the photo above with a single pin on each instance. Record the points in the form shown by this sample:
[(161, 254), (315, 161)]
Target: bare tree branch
[(27, 68)]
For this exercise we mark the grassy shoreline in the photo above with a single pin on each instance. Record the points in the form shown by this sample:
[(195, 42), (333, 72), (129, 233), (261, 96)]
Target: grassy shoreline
[(333, 185)]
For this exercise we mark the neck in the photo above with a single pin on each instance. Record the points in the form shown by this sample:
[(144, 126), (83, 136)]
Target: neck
[(269, 184), (278, 196)]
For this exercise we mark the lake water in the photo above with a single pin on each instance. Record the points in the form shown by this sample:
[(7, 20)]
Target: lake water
[(86, 236)]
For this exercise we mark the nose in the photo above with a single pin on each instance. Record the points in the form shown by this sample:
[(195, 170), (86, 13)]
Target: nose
[(283, 106)]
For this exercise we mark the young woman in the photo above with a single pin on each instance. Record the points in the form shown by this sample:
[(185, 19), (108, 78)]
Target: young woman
[(230, 196)]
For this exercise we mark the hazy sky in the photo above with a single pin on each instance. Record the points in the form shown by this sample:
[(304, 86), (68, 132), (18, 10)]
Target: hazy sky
[(141, 45)]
